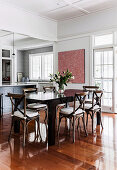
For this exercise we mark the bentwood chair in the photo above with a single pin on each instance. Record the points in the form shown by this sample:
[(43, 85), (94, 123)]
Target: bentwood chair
[(23, 115), (36, 106), (76, 112), (50, 89), (90, 90), (94, 107)]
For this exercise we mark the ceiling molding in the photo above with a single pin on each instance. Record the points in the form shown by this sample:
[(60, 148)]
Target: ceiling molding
[(76, 6), (35, 46)]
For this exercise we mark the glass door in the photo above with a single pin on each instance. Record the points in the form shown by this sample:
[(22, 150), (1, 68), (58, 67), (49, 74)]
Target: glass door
[(103, 76)]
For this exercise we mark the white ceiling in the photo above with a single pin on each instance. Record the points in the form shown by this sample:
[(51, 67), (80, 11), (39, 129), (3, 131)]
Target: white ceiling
[(21, 42), (62, 9)]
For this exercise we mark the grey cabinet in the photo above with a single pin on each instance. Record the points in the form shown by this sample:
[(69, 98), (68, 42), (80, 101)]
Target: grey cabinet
[(10, 89)]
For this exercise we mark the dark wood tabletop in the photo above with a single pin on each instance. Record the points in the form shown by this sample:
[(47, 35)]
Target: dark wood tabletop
[(49, 96)]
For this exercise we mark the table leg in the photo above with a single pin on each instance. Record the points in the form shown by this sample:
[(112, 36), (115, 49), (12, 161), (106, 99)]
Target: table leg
[(51, 123), (16, 126), (98, 118), (0, 106)]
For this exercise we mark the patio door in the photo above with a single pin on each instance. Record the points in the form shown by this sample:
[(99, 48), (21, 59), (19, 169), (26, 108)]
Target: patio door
[(103, 76)]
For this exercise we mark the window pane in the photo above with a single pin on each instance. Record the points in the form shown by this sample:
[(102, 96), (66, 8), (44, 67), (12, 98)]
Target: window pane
[(108, 57), (98, 83), (103, 39), (36, 67), (107, 85), (97, 71), (98, 57), (108, 71), (107, 99), (47, 61)]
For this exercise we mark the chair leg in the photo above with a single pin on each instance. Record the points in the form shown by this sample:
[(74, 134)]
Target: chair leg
[(78, 127), (45, 119), (101, 119), (24, 137), (83, 120), (92, 120), (78, 124), (59, 126), (12, 121), (87, 120), (73, 129), (39, 133), (35, 129), (69, 125)]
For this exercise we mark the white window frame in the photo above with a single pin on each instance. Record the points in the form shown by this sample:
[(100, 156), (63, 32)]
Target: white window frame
[(92, 48), (30, 64), (103, 45), (106, 108), (13, 60)]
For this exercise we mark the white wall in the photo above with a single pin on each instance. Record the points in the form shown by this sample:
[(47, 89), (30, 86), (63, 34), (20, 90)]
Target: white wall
[(75, 34), (74, 44), (99, 21), (19, 21)]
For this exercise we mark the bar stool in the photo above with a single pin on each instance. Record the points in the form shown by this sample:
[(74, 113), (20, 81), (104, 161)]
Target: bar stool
[(1, 104)]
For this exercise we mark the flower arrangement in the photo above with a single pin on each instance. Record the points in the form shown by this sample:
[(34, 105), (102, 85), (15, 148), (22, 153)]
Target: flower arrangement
[(62, 78)]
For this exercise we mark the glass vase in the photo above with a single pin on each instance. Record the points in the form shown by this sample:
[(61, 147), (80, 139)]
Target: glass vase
[(61, 89)]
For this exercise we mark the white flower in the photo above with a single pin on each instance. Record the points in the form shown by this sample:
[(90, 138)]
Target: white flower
[(73, 77)]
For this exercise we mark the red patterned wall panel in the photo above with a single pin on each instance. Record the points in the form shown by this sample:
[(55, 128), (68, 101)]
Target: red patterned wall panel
[(75, 62)]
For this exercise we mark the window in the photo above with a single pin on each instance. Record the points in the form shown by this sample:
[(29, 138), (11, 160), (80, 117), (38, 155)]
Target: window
[(103, 73), (103, 40), (40, 66)]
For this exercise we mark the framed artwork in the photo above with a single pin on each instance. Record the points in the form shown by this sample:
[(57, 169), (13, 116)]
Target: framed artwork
[(74, 61), (19, 76)]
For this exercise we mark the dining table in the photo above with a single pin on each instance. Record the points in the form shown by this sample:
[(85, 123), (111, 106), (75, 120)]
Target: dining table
[(52, 99)]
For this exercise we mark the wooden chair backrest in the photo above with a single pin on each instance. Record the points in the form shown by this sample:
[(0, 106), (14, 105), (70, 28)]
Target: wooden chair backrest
[(50, 88), (90, 90), (97, 96), (29, 90), (80, 97), (16, 100)]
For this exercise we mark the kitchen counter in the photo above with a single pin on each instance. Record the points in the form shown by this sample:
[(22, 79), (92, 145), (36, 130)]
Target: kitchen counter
[(18, 84), (13, 88), (18, 88)]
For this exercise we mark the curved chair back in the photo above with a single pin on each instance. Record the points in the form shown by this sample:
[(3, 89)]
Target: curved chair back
[(49, 88), (90, 90), (16, 100), (80, 97), (29, 90), (97, 96)]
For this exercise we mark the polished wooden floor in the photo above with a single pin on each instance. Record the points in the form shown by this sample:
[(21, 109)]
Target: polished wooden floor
[(98, 151)]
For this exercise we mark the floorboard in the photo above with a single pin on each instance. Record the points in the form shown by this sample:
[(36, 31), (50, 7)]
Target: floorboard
[(97, 151)]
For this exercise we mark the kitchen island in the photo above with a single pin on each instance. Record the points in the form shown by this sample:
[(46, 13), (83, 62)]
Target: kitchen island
[(13, 88)]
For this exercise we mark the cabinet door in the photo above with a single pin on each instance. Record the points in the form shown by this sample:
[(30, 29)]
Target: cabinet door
[(6, 100), (18, 90)]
